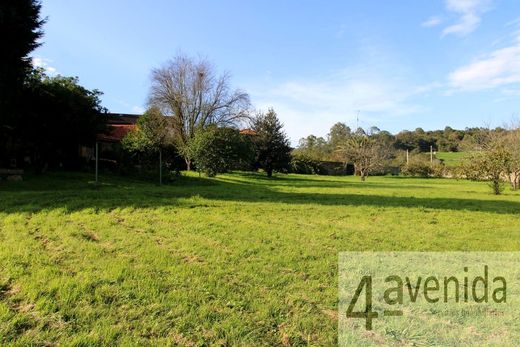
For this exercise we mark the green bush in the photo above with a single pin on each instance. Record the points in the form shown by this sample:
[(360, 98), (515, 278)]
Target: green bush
[(217, 150), (303, 164), (421, 168)]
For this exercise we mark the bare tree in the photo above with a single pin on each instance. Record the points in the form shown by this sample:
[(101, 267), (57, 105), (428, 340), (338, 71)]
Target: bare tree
[(365, 152), (190, 91)]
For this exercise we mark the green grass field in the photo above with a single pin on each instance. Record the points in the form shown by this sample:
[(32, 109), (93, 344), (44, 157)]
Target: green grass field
[(451, 159), (239, 259)]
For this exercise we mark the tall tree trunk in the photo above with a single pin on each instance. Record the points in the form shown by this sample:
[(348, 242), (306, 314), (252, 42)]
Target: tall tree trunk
[(496, 186), (188, 164), (269, 172)]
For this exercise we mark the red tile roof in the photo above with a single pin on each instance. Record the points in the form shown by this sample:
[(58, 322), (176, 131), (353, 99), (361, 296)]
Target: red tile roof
[(247, 132), (116, 132), (121, 124)]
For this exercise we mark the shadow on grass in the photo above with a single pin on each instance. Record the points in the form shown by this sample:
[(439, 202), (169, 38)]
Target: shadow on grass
[(321, 182), (74, 193)]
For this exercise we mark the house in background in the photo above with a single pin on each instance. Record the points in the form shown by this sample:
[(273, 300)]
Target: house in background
[(111, 154), (118, 126)]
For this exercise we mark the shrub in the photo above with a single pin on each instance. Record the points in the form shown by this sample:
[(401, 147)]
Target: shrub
[(303, 164), (217, 150), (421, 168)]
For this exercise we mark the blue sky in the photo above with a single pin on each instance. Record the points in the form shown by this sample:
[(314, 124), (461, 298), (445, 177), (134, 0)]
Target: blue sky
[(403, 64)]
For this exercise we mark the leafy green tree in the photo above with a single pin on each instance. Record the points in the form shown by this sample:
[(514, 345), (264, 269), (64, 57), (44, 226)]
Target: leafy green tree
[(492, 162), (512, 141), (338, 134), (271, 143), (20, 29), (59, 115), (151, 134), (313, 148), (217, 150), (151, 143)]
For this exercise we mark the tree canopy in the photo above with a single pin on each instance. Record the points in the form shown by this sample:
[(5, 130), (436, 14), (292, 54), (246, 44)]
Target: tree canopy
[(219, 149), (59, 115), (152, 132)]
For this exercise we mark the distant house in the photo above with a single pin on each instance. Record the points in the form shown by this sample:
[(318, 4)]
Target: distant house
[(247, 132), (118, 126)]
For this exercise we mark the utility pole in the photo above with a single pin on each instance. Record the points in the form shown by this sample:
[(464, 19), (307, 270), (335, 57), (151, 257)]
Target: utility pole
[(160, 166), (97, 162), (357, 120)]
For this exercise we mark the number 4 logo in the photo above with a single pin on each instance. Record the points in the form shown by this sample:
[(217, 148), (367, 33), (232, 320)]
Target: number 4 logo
[(368, 314)]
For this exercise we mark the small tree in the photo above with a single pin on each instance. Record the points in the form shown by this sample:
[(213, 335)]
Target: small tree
[(151, 133), (218, 150), (272, 150), (512, 140), (365, 152), (490, 163), (151, 136), (312, 147)]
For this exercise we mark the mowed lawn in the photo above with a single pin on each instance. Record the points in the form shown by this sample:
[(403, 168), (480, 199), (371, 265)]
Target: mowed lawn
[(238, 259)]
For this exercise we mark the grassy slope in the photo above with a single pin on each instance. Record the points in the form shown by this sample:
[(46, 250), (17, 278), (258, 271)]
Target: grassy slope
[(451, 159), (235, 259)]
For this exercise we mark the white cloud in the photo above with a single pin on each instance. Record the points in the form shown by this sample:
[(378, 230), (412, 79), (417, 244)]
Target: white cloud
[(44, 64), (498, 68), (466, 6), (466, 25), (138, 109), (431, 22), (128, 107), (469, 15), (313, 106), (514, 22)]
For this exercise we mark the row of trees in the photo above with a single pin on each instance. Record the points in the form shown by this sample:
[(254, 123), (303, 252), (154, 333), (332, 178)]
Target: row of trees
[(417, 141), (214, 149), (195, 112), (492, 154)]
